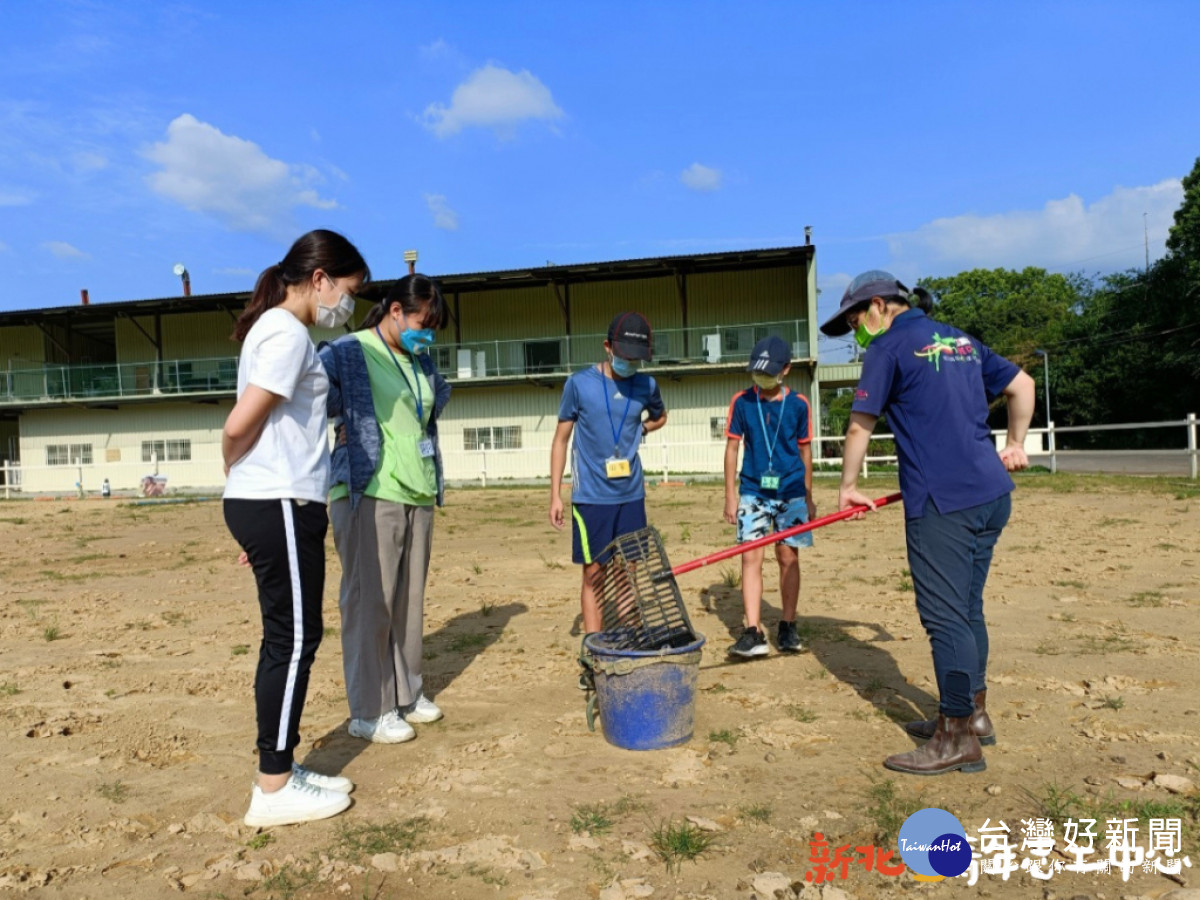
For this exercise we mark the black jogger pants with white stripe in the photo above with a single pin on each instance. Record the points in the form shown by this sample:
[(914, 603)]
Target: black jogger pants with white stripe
[(285, 543)]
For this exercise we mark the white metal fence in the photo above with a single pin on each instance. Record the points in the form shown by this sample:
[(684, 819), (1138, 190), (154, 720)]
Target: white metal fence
[(661, 458)]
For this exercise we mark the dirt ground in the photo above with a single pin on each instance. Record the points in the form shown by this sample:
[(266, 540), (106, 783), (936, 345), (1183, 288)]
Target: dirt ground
[(128, 640)]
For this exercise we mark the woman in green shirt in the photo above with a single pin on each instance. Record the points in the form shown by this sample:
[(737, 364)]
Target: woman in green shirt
[(385, 397)]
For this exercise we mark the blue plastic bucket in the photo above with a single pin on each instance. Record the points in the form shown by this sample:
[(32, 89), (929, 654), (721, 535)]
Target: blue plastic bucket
[(646, 698)]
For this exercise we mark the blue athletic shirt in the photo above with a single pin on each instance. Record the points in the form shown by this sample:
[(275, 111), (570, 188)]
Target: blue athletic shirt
[(794, 429), (935, 383), (583, 402)]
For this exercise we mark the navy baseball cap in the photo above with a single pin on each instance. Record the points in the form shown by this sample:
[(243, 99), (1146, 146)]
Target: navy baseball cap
[(875, 283), (770, 355), (630, 336)]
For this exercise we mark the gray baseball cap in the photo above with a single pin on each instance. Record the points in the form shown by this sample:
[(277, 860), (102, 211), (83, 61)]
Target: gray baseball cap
[(875, 283)]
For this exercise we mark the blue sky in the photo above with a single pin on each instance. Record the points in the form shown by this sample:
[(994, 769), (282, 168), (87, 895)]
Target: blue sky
[(922, 137)]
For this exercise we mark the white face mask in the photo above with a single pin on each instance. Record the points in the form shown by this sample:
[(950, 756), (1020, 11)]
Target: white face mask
[(335, 316)]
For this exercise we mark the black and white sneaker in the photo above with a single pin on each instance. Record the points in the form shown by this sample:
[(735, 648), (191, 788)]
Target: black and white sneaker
[(788, 639), (752, 643)]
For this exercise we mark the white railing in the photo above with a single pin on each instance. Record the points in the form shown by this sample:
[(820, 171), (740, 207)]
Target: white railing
[(661, 458)]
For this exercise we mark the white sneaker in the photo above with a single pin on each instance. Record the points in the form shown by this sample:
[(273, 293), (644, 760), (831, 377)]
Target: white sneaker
[(422, 711), (326, 782), (297, 801), (387, 729)]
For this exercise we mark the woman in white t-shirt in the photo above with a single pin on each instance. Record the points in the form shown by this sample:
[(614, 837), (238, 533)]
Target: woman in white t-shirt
[(277, 464)]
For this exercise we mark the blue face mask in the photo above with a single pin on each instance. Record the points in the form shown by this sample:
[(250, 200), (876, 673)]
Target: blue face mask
[(624, 368), (416, 340)]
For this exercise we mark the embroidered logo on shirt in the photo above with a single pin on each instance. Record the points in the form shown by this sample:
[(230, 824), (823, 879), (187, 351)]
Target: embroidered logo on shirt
[(860, 394), (949, 348)]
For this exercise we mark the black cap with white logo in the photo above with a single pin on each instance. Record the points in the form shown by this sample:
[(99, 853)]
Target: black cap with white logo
[(630, 336)]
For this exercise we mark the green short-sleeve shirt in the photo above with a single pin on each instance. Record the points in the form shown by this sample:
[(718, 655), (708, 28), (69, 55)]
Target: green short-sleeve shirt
[(403, 476)]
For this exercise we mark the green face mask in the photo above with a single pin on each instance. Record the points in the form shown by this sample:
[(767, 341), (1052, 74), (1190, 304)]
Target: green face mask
[(864, 335), (764, 381)]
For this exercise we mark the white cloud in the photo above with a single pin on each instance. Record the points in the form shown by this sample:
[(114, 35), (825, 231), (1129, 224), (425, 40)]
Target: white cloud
[(231, 178), (88, 161), (493, 97), (239, 271), (4, 248), (15, 198), (63, 250), (1068, 233), (701, 178), (435, 50), (443, 215)]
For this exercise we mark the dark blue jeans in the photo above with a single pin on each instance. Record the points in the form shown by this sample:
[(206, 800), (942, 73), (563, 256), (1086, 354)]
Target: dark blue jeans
[(949, 557)]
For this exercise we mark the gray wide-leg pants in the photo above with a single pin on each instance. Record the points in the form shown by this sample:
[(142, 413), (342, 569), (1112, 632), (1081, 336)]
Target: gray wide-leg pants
[(384, 548)]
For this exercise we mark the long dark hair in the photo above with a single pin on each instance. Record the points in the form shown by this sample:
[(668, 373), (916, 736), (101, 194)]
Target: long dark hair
[(319, 249), (414, 293)]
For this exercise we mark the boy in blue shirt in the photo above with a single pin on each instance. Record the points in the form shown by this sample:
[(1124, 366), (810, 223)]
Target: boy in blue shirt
[(603, 406), (774, 492)]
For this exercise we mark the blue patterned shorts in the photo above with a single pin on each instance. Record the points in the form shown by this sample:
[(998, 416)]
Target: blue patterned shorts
[(758, 517)]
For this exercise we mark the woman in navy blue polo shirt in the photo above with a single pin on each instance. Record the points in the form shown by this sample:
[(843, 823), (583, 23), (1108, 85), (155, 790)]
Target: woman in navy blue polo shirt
[(935, 383)]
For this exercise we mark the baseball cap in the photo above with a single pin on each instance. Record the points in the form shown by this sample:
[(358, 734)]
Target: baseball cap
[(630, 336), (875, 283), (770, 355)]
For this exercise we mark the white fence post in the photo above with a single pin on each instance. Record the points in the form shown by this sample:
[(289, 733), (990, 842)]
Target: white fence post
[(666, 467), (1191, 424), (483, 468), (8, 479), (1052, 447)]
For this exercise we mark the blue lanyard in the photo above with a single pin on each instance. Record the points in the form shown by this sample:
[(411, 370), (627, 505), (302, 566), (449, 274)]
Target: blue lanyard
[(415, 387), (616, 429), (771, 443)]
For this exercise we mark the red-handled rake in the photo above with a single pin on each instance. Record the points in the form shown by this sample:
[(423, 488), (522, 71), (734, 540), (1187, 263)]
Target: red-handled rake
[(640, 604)]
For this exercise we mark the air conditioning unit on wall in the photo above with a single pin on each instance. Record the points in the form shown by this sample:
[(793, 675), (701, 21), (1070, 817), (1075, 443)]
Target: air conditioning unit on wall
[(712, 348)]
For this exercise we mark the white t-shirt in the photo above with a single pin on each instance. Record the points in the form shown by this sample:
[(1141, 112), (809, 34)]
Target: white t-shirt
[(291, 457)]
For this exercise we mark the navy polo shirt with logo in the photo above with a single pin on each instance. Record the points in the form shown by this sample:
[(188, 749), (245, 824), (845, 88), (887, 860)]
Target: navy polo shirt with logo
[(935, 383), (785, 424)]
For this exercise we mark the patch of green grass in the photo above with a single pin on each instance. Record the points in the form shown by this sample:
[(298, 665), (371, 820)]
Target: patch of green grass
[(52, 633), (31, 607), (331, 631), (1110, 522), (724, 736), (9, 689), (888, 808), (717, 688), (239, 650), (1114, 703), (677, 842), (1048, 648), (260, 840), (174, 617), (87, 557), (875, 684), (1109, 643), (551, 563), (1166, 546), (486, 875), (468, 642), (1068, 617), (15, 520), (1078, 585), (685, 534), (477, 569), (114, 791), (592, 818), (1053, 801), (820, 673), (731, 578), (367, 839), (758, 812), (1146, 598), (904, 585), (486, 608), (800, 713), (287, 881)]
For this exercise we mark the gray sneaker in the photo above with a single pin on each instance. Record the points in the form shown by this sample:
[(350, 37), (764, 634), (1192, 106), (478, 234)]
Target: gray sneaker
[(752, 643), (788, 639)]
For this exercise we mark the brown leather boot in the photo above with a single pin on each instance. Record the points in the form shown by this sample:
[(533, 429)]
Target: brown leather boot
[(981, 724), (953, 747)]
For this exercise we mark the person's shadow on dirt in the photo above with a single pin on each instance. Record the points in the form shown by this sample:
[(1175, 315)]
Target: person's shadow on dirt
[(448, 653), (863, 664)]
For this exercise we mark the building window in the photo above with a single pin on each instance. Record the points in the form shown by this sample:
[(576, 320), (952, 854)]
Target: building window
[(167, 451), (68, 454), (497, 437), (716, 427)]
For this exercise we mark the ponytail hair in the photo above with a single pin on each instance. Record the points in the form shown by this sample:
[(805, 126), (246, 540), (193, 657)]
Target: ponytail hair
[(921, 299), (319, 249), (415, 293)]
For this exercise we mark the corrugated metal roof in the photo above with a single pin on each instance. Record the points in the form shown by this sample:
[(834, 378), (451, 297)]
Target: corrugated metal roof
[(471, 281)]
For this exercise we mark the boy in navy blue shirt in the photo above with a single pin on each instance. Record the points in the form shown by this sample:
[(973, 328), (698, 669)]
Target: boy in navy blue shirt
[(603, 407), (774, 492)]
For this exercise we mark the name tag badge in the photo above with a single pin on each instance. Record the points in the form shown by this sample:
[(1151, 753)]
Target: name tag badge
[(769, 481), (425, 447), (615, 467)]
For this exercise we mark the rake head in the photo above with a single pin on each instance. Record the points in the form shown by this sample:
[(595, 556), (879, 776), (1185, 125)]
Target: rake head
[(640, 604)]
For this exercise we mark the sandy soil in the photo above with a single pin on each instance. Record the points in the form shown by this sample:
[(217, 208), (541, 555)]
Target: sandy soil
[(129, 636)]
